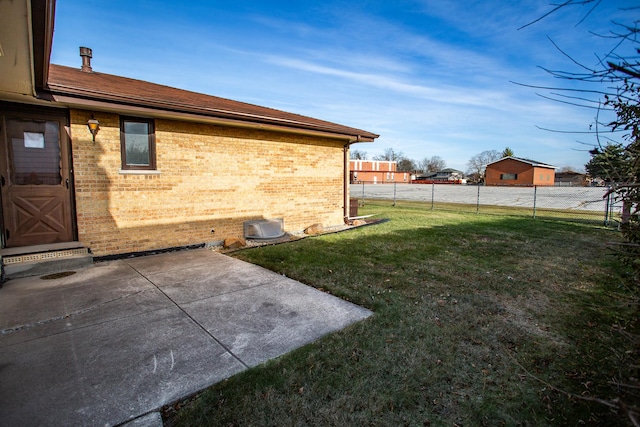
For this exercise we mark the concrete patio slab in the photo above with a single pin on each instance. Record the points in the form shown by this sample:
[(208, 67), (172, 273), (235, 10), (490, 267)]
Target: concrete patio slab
[(266, 321), (40, 308), (204, 281), (116, 342), (90, 376)]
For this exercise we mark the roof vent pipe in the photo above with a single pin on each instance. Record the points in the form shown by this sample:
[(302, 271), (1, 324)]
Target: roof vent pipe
[(85, 53)]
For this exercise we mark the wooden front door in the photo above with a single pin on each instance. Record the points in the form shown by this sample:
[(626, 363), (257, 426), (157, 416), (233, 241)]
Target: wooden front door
[(35, 179)]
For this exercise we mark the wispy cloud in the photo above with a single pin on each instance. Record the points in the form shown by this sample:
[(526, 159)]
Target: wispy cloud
[(446, 94)]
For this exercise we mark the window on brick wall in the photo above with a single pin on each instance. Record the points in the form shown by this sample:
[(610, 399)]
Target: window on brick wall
[(137, 143), (508, 176)]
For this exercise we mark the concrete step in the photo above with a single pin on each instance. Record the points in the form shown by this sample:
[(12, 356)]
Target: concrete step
[(44, 259)]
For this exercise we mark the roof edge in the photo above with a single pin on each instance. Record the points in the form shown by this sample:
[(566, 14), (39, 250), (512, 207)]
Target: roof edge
[(80, 95), (101, 105), (528, 161)]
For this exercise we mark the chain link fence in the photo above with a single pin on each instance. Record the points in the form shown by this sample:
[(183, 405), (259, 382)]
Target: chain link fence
[(592, 204)]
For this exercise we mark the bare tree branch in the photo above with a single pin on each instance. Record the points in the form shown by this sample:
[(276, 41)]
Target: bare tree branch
[(569, 56), (616, 403), (547, 14), (589, 12), (567, 102), (624, 70), (595, 92), (595, 132)]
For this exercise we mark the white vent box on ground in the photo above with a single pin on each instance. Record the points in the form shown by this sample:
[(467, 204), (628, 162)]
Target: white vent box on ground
[(264, 229)]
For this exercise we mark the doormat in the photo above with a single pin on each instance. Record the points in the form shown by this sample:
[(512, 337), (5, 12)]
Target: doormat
[(57, 275)]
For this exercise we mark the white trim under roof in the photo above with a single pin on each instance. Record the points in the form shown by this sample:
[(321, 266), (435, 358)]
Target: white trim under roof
[(527, 161)]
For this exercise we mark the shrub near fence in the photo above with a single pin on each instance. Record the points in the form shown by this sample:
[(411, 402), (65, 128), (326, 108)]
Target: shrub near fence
[(580, 203)]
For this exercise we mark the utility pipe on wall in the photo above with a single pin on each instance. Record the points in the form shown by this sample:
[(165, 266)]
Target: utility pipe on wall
[(345, 182), (345, 191)]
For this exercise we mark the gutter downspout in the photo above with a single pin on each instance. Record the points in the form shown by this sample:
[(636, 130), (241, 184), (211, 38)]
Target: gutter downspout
[(345, 188), (32, 61)]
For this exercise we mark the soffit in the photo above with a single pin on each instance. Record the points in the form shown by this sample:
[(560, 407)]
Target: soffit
[(16, 55)]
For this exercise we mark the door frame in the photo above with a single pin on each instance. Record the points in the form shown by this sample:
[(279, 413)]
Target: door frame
[(10, 110)]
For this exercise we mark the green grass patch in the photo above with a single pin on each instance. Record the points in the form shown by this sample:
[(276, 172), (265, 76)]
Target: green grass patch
[(479, 320), (596, 217)]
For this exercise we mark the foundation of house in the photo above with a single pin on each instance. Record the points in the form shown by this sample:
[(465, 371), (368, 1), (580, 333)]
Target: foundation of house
[(43, 259)]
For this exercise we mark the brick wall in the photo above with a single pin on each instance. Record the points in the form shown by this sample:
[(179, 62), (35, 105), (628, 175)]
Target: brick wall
[(373, 165), (543, 176), (210, 177), (378, 171), (526, 174)]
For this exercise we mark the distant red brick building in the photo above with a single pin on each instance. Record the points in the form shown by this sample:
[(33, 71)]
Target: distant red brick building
[(571, 179), (376, 172), (515, 171)]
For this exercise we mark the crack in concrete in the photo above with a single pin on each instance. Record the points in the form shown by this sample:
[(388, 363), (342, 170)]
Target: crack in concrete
[(64, 316)]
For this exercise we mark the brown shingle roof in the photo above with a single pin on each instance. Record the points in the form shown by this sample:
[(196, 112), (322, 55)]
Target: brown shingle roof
[(528, 161), (71, 82)]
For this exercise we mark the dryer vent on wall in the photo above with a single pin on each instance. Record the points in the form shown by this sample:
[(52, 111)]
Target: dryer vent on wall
[(263, 229)]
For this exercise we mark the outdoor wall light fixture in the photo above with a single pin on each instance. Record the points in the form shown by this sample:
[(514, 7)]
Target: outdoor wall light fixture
[(94, 127)]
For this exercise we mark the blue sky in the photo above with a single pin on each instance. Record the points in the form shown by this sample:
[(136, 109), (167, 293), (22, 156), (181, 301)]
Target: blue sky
[(433, 78)]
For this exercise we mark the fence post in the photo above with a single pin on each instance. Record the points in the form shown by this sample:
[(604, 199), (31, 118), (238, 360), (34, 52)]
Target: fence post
[(535, 197), (607, 207), (394, 194), (433, 188), (478, 201), (362, 193)]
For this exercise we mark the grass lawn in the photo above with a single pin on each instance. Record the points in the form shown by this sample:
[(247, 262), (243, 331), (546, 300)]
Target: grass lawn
[(479, 320)]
